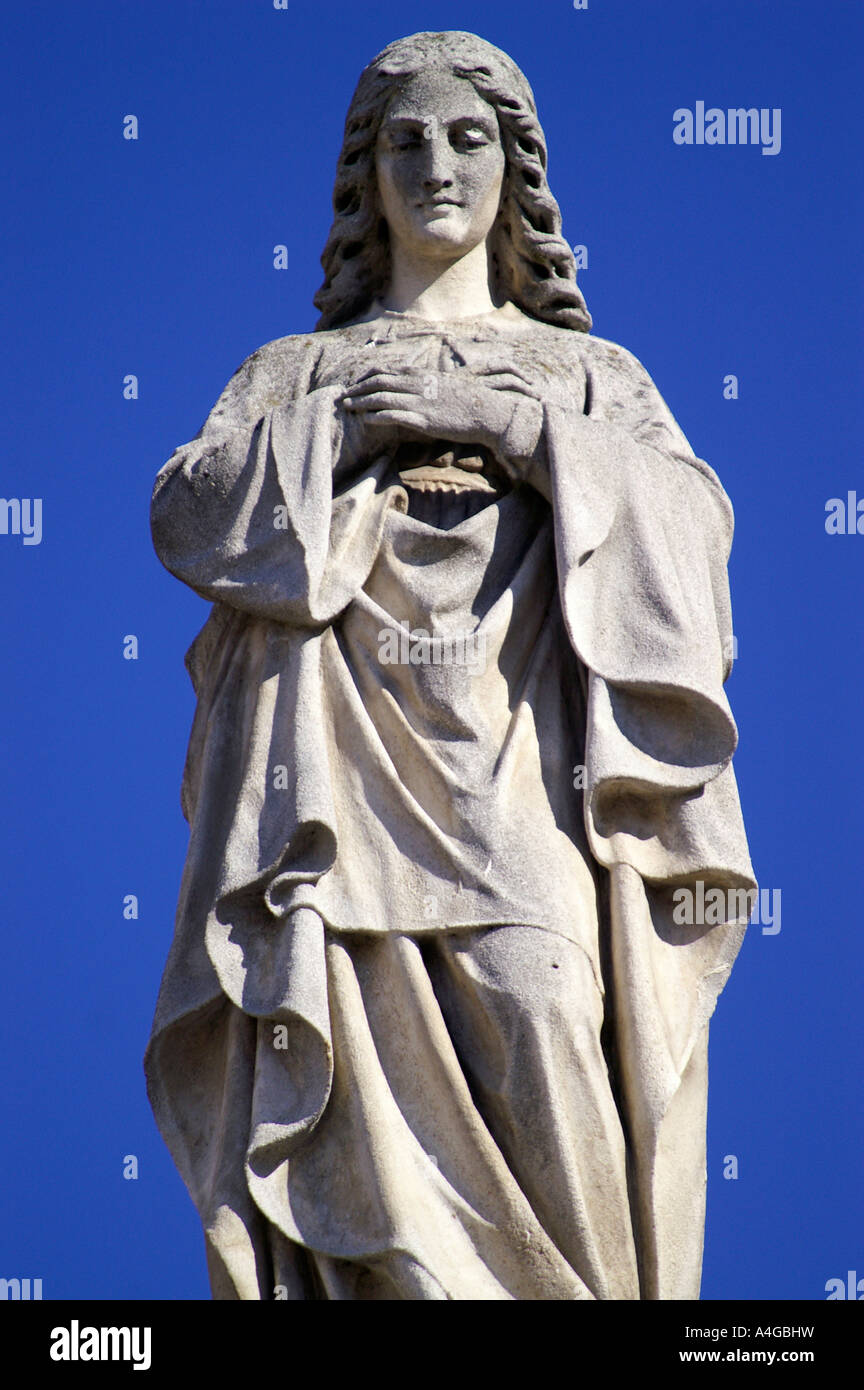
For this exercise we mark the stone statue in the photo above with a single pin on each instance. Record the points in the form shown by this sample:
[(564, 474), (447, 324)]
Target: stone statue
[(432, 1025)]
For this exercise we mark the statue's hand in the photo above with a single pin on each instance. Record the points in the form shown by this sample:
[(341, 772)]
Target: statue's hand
[(464, 407)]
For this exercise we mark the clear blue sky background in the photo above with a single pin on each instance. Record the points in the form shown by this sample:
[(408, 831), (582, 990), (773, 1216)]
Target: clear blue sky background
[(155, 258)]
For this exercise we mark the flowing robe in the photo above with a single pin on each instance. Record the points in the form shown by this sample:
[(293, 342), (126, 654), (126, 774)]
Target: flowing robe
[(368, 1074)]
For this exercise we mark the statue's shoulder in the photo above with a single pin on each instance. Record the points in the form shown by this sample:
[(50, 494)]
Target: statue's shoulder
[(274, 373), (601, 358), (608, 366), (608, 356), (624, 394)]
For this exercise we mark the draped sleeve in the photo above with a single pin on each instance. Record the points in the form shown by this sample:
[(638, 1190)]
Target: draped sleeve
[(245, 514), (643, 533)]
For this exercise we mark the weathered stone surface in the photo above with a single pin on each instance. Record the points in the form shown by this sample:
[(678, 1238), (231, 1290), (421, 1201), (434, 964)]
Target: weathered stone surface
[(461, 733)]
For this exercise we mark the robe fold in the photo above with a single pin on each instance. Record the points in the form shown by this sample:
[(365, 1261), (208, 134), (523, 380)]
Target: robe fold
[(385, 848)]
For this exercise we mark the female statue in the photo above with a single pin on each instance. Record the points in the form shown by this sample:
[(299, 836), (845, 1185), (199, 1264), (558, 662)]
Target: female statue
[(430, 1027)]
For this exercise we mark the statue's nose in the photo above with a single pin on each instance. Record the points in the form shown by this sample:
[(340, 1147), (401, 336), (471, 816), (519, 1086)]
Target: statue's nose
[(438, 172)]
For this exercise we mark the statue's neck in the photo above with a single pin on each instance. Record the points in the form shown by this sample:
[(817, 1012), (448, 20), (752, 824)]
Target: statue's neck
[(431, 289)]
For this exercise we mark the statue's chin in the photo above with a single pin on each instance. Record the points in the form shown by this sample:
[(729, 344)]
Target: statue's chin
[(443, 229)]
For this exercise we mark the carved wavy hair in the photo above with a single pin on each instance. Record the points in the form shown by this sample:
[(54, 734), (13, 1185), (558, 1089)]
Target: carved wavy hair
[(532, 264)]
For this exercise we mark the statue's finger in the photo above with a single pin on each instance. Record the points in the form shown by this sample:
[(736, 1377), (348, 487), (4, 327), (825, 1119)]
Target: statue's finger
[(406, 418), (374, 381), (508, 381), (385, 400)]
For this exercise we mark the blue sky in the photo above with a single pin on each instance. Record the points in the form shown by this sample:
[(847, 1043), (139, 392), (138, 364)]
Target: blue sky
[(155, 257)]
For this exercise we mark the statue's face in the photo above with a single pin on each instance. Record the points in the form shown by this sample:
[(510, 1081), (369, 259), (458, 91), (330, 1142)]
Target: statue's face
[(440, 167)]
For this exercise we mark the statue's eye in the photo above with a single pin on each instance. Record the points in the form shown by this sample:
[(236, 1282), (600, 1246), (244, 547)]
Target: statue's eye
[(469, 139), (406, 140)]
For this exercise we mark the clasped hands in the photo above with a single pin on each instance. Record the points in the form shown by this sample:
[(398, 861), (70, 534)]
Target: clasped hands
[(454, 405)]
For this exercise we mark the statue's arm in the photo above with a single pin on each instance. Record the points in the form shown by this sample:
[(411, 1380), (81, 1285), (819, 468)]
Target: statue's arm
[(642, 520), (621, 398), (604, 395), (243, 513), (521, 449), (209, 466)]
